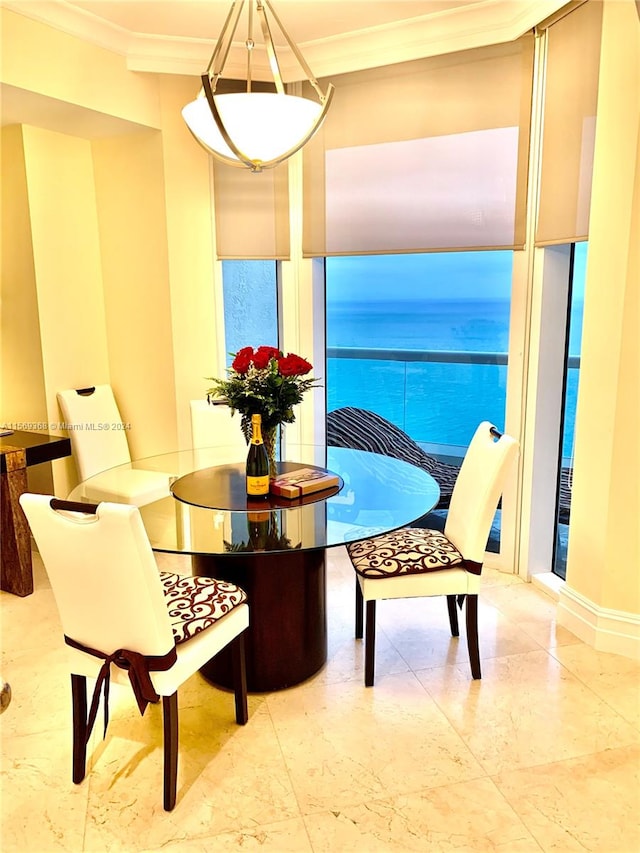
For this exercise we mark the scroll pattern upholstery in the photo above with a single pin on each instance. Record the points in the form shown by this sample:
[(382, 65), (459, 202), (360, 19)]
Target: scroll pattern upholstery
[(194, 604), (410, 551)]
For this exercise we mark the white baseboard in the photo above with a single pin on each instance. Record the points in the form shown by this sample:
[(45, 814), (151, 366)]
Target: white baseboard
[(606, 630), (548, 583)]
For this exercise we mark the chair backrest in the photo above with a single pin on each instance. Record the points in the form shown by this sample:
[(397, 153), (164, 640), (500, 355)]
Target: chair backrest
[(213, 425), (477, 491), (92, 416), (103, 575)]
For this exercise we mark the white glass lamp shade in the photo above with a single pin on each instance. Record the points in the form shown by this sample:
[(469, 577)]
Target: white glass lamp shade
[(263, 125)]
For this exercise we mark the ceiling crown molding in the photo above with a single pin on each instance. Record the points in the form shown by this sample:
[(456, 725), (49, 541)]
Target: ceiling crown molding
[(458, 28), (74, 22)]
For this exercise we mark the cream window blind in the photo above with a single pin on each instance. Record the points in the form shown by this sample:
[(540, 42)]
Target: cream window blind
[(251, 209), (252, 213), (569, 121), (429, 155)]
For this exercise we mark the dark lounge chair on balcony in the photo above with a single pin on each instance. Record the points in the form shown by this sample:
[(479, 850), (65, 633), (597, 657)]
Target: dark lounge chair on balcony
[(365, 430)]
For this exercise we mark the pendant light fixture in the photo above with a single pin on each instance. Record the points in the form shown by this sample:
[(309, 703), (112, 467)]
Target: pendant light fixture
[(254, 129)]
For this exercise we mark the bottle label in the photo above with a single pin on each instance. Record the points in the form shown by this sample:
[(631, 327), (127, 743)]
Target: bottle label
[(258, 485), (257, 517)]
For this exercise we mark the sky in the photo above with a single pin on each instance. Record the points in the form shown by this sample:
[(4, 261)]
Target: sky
[(439, 275), (459, 275)]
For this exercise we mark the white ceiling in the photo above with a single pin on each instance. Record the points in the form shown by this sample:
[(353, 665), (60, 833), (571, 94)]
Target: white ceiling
[(334, 36), (306, 21), (177, 36)]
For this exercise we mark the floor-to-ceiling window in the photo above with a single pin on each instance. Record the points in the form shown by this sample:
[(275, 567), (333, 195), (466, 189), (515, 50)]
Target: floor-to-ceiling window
[(422, 340), (250, 296), (572, 375)]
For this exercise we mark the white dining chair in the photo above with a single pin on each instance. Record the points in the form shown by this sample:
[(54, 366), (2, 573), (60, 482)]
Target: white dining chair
[(125, 621), (416, 562), (99, 446), (213, 425)]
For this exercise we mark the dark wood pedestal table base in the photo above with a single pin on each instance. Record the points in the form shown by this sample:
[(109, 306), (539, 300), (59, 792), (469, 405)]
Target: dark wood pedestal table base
[(287, 636), (286, 642)]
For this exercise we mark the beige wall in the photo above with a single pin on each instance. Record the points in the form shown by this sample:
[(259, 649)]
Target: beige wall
[(604, 558), (68, 278), (22, 393), (39, 59), (130, 207), (132, 239), (191, 252), (22, 388)]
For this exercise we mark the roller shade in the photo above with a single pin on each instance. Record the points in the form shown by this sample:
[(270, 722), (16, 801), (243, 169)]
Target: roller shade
[(569, 116), (251, 209), (428, 155), (252, 213)]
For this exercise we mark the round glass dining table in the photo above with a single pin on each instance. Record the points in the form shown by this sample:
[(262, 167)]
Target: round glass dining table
[(273, 548)]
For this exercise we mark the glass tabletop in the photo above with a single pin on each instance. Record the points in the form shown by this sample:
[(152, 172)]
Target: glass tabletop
[(378, 494)]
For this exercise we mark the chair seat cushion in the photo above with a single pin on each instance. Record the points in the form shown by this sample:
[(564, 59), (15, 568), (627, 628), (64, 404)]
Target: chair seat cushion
[(409, 551), (197, 603)]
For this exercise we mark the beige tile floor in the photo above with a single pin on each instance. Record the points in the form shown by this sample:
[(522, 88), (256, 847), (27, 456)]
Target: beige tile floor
[(543, 754)]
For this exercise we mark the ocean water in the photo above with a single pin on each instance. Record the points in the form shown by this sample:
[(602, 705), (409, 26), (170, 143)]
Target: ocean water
[(466, 325), (434, 402)]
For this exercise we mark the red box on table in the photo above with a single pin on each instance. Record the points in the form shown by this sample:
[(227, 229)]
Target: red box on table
[(303, 481)]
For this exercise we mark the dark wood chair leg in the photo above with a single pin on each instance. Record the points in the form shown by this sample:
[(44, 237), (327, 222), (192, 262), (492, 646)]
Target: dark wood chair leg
[(240, 678), (79, 712), (472, 635), (170, 727), (359, 609), (453, 615), (370, 644)]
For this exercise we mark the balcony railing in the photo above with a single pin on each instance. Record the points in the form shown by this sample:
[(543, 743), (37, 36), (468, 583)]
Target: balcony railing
[(434, 404), (446, 356)]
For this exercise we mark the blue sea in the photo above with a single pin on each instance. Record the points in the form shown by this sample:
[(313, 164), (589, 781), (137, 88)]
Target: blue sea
[(436, 403)]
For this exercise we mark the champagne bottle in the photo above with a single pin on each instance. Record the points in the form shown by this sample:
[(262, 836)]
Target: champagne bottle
[(258, 526), (257, 462)]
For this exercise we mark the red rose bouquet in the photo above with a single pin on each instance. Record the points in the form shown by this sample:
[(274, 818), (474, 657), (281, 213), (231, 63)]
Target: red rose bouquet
[(264, 382)]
